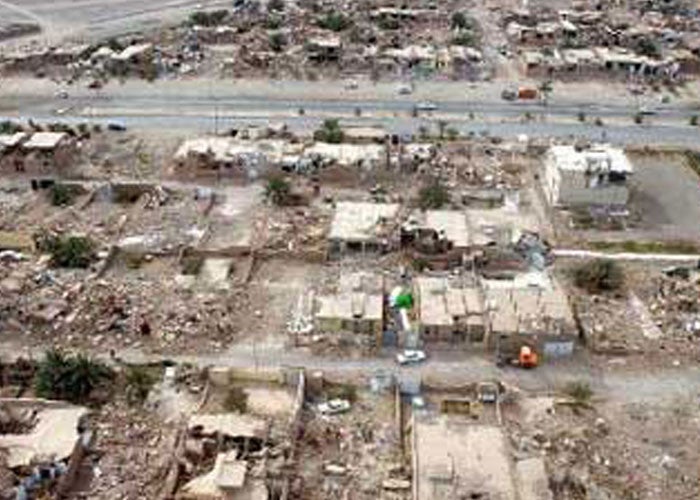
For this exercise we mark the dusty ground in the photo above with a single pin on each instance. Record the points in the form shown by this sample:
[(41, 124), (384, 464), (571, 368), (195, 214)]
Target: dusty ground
[(611, 449), (364, 441)]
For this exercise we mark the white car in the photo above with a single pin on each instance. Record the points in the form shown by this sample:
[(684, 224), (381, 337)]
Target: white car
[(334, 407), (409, 357), (405, 90), (351, 85), (426, 106)]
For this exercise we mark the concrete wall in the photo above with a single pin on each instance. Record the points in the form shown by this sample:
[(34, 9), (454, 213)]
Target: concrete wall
[(571, 187)]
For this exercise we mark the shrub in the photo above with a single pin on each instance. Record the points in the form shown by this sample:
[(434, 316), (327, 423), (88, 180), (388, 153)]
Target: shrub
[(693, 121), (278, 42), (277, 191), (465, 39), (330, 132), (638, 118), (60, 195), (213, 18), (433, 196), (71, 378), (461, 21), (334, 21), (388, 23), (273, 22), (580, 392), (599, 275), (139, 381), (67, 251), (236, 400), (275, 5), (452, 133), (9, 127)]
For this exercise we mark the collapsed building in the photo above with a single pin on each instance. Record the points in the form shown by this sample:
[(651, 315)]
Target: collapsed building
[(232, 156), (39, 152), (596, 175), (531, 309), (362, 227), (449, 310)]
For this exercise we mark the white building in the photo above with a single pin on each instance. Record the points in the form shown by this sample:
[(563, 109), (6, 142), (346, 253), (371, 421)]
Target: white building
[(593, 176)]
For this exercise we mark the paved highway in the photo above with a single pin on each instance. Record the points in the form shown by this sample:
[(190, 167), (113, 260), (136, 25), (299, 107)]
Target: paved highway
[(89, 19), (202, 106)]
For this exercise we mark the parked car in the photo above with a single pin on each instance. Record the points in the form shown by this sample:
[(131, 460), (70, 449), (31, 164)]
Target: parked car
[(405, 90), (409, 357), (116, 127), (351, 85), (509, 95), (334, 407)]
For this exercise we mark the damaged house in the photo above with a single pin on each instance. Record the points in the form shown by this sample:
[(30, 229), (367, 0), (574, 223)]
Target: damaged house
[(449, 310), (230, 156), (357, 307), (362, 227), (531, 309), (597, 175)]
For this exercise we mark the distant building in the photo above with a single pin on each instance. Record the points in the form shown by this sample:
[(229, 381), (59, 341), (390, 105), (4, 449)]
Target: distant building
[(592, 176)]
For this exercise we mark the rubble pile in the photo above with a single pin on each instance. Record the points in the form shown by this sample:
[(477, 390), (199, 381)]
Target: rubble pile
[(301, 229), (674, 303), (356, 452), (589, 455), (132, 449)]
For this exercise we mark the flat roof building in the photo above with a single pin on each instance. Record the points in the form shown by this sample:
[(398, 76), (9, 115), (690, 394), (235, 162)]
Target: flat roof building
[(586, 176), (449, 311), (531, 309), (356, 307)]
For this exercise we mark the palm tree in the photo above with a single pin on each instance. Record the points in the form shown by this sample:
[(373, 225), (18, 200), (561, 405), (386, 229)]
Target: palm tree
[(545, 89), (442, 126), (70, 378)]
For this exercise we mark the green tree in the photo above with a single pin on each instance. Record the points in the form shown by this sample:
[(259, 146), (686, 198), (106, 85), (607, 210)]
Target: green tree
[(334, 21), (329, 132), (423, 132), (236, 400), (71, 378), (459, 20), (452, 134), (60, 195), (465, 39), (433, 195), (546, 89), (693, 121), (600, 275), (139, 381), (278, 42), (442, 127), (277, 190), (72, 252), (275, 5)]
